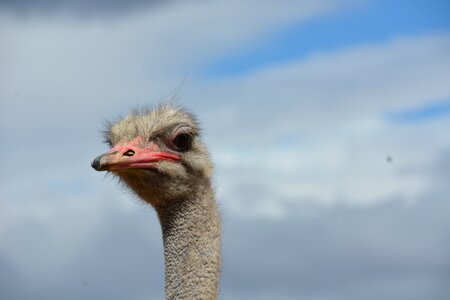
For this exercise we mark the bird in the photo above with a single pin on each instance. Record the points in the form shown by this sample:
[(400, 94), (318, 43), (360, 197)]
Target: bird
[(157, 153)]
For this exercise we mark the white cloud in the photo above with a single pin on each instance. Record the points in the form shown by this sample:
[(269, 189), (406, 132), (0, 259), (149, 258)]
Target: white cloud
[(337, 90), (315, 130), (347, 167), (88, 66)]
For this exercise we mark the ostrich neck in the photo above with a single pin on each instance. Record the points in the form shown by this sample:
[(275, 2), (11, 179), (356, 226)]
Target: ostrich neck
[(191, 236)]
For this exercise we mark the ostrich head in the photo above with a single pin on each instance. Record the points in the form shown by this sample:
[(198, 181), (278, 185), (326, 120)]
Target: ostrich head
[(157, 153)]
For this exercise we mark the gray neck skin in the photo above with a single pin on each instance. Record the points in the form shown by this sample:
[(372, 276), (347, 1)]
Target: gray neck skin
[(191, 236)]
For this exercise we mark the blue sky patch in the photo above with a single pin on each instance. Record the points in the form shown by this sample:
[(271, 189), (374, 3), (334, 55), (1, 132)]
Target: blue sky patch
[(373, 23), (422, 113)]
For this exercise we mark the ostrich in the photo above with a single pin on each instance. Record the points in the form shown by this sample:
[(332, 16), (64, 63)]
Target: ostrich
[(157, 153)]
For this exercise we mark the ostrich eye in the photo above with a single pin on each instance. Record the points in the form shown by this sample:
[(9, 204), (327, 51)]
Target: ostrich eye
[(182, 141)]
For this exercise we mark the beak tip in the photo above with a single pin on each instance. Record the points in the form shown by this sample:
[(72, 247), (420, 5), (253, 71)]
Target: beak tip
[(96, 163)]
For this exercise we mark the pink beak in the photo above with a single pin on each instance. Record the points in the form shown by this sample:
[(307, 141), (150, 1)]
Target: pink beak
[(129, 156)]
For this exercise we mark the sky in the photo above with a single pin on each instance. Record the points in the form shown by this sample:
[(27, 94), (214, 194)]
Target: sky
[(327, 122)]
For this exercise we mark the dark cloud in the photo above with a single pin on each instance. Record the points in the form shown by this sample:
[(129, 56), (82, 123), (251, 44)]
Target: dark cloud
[(10, 278), (392, 250), (123, 259), (75, 7), (387, 251), (441, 169)]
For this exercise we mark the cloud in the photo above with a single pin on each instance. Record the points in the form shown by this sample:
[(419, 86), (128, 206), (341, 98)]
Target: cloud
[(103, 254), (82, 8), (343, 167), (106, 67), (393, 250), (347, 88), (341, 253)]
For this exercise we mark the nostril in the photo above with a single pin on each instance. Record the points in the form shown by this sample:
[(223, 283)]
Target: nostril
[(129, 153)]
